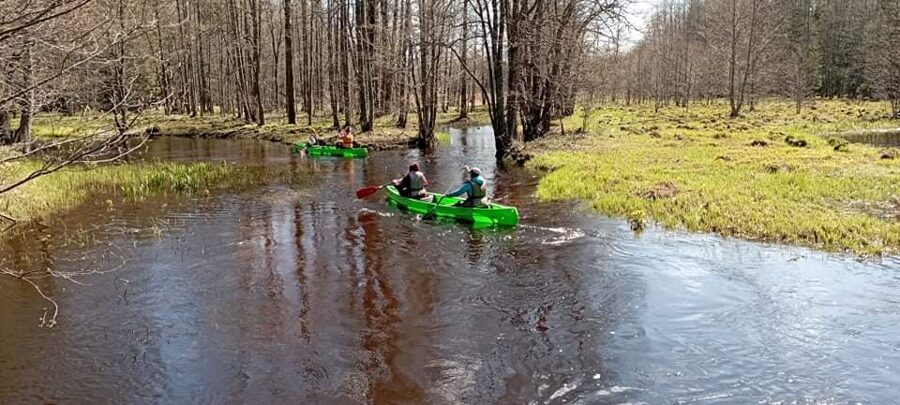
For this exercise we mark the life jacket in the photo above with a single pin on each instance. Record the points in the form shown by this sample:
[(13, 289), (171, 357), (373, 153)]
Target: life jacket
[(417, 185), (477, 188), (347, 140), (416, 181)]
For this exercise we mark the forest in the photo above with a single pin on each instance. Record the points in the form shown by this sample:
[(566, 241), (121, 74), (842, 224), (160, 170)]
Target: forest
[(450, 201), (675, 94), (529, 62)]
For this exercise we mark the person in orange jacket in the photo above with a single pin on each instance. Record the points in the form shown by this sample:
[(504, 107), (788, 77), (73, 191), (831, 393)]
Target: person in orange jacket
[(345, 138)]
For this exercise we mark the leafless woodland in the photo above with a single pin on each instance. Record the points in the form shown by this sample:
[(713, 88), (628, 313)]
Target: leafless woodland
[(527, 61)]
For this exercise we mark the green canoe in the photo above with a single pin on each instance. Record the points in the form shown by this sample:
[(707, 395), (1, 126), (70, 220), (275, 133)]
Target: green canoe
[(494, 214), (316, 150)]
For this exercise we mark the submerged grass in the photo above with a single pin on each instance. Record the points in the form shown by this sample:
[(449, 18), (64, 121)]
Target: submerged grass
[(700, 171), (55, 193), (442, 137)]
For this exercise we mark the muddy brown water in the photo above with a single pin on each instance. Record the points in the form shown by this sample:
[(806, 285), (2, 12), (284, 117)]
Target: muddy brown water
[(303, 295)]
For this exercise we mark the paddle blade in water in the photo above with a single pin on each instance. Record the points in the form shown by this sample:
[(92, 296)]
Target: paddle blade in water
[(366, 191)]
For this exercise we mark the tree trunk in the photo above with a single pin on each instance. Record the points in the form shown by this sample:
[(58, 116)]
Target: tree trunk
[(289, 102), (333, 74), (365, 28), (5, 132), (344, 54), (732, 65), (255, 86), (23, 132), (205, 98), (305, 65), (463, 77), (750, 63), (275, 42), (403, 60)]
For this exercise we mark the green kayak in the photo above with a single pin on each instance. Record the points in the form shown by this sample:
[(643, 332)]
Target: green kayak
[(494, 214), (316, 150)]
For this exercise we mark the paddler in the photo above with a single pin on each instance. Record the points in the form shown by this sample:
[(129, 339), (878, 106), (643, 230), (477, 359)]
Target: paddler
[(473, 188), (345, 138), (413, 184)]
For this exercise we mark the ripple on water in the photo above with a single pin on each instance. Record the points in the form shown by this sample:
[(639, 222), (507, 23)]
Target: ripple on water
[(278, 294)]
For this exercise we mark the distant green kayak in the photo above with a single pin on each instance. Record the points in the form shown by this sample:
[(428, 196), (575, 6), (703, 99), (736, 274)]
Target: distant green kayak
[(494, 214), (317, 150)]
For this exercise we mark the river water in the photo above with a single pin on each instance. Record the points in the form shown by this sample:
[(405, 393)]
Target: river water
[(301, 294)]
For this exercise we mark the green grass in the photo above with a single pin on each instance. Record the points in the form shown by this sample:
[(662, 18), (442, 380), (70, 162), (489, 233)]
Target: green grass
[(57, 192), (696, 170), (442, 137), (384, 133), (60, 191), (55, 125)]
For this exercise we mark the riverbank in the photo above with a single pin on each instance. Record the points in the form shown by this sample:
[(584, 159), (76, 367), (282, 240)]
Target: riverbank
[(60, 191), (385, 134), (56, 193), (259, 272), (767, 176)]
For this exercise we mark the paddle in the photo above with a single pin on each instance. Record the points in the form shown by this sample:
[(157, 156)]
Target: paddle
[(369, 190), (431, 213)]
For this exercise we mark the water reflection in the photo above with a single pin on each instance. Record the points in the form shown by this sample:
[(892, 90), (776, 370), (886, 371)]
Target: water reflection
[(281, 295), (876, 137)]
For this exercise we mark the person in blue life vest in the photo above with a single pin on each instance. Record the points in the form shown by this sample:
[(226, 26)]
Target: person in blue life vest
[(474, 189), (413, 184)]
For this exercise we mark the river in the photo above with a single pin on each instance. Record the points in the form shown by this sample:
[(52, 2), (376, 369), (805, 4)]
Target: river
[(302, 294)]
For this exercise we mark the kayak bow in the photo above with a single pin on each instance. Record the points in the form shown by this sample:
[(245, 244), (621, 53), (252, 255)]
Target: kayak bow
[(494, 214)]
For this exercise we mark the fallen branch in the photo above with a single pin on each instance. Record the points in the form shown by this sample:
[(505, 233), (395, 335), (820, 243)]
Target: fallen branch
[(50, 321), (9, 218)]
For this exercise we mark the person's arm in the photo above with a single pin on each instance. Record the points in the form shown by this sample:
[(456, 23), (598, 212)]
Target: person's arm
[(465, 188), (404, 183)]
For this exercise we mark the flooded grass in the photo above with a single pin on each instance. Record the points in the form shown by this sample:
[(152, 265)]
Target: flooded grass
[(57, 192), (769, 175), (442, 137)]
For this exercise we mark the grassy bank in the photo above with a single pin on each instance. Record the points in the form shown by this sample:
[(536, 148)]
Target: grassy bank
[(55, 193), (385, 134), (749, 177)]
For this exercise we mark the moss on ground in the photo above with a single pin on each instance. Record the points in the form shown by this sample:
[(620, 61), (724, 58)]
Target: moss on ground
[(700, 170)]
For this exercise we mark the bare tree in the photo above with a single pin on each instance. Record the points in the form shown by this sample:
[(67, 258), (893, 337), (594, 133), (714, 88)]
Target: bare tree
[(99, 46), (289, 102), (433, 30)]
